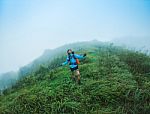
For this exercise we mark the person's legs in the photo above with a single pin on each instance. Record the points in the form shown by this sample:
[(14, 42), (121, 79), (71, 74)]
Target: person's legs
[(73, 75), (78, 76)]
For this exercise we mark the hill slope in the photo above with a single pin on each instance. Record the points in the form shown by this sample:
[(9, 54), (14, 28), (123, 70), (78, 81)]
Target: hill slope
[(114, 80)]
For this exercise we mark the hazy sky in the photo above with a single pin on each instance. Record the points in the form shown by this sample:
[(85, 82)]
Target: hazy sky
[(27, 27)]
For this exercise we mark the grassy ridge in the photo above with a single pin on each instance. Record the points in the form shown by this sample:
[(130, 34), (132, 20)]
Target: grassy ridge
[(114, 81)]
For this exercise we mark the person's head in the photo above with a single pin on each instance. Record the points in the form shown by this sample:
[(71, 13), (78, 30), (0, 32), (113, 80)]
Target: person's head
[(69, 51)]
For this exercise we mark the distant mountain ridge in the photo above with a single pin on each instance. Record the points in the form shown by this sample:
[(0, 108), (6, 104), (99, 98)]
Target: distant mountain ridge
[(8, 79), (139, 43)]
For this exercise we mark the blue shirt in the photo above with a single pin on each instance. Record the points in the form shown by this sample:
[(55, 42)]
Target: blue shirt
[(72, 60)]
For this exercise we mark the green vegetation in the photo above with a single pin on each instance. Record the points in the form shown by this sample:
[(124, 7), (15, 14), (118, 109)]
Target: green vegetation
[(114, 81)]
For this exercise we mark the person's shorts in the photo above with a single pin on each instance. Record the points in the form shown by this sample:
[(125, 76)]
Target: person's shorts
[(73, 69)]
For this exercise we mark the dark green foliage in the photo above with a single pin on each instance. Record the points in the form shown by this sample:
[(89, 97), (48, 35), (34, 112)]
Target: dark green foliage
[(138, 62), (114, 81)]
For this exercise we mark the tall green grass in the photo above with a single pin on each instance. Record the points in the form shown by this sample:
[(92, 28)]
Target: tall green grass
[(114, 81)]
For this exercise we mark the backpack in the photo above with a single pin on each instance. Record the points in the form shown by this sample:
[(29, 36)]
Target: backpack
[(77, 60)]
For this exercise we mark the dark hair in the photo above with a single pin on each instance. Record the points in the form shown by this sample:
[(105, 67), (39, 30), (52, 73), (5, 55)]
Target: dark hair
[(69, 50)]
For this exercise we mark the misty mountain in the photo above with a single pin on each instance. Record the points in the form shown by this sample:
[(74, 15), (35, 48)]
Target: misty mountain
[(137, 43), (44, 60), (8, 79), (49, 55)]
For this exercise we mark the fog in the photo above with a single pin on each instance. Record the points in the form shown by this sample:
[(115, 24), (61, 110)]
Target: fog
[(135, 43), (28, 27)]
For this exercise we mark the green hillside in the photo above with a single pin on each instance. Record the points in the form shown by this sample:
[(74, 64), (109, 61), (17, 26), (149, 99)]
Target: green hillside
[(114, 81)]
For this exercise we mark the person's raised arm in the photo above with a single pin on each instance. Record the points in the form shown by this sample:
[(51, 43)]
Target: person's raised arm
[(80, 56), (66, 62)]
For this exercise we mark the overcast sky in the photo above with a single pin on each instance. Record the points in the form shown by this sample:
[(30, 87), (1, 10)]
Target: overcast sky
[(27, 27)]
